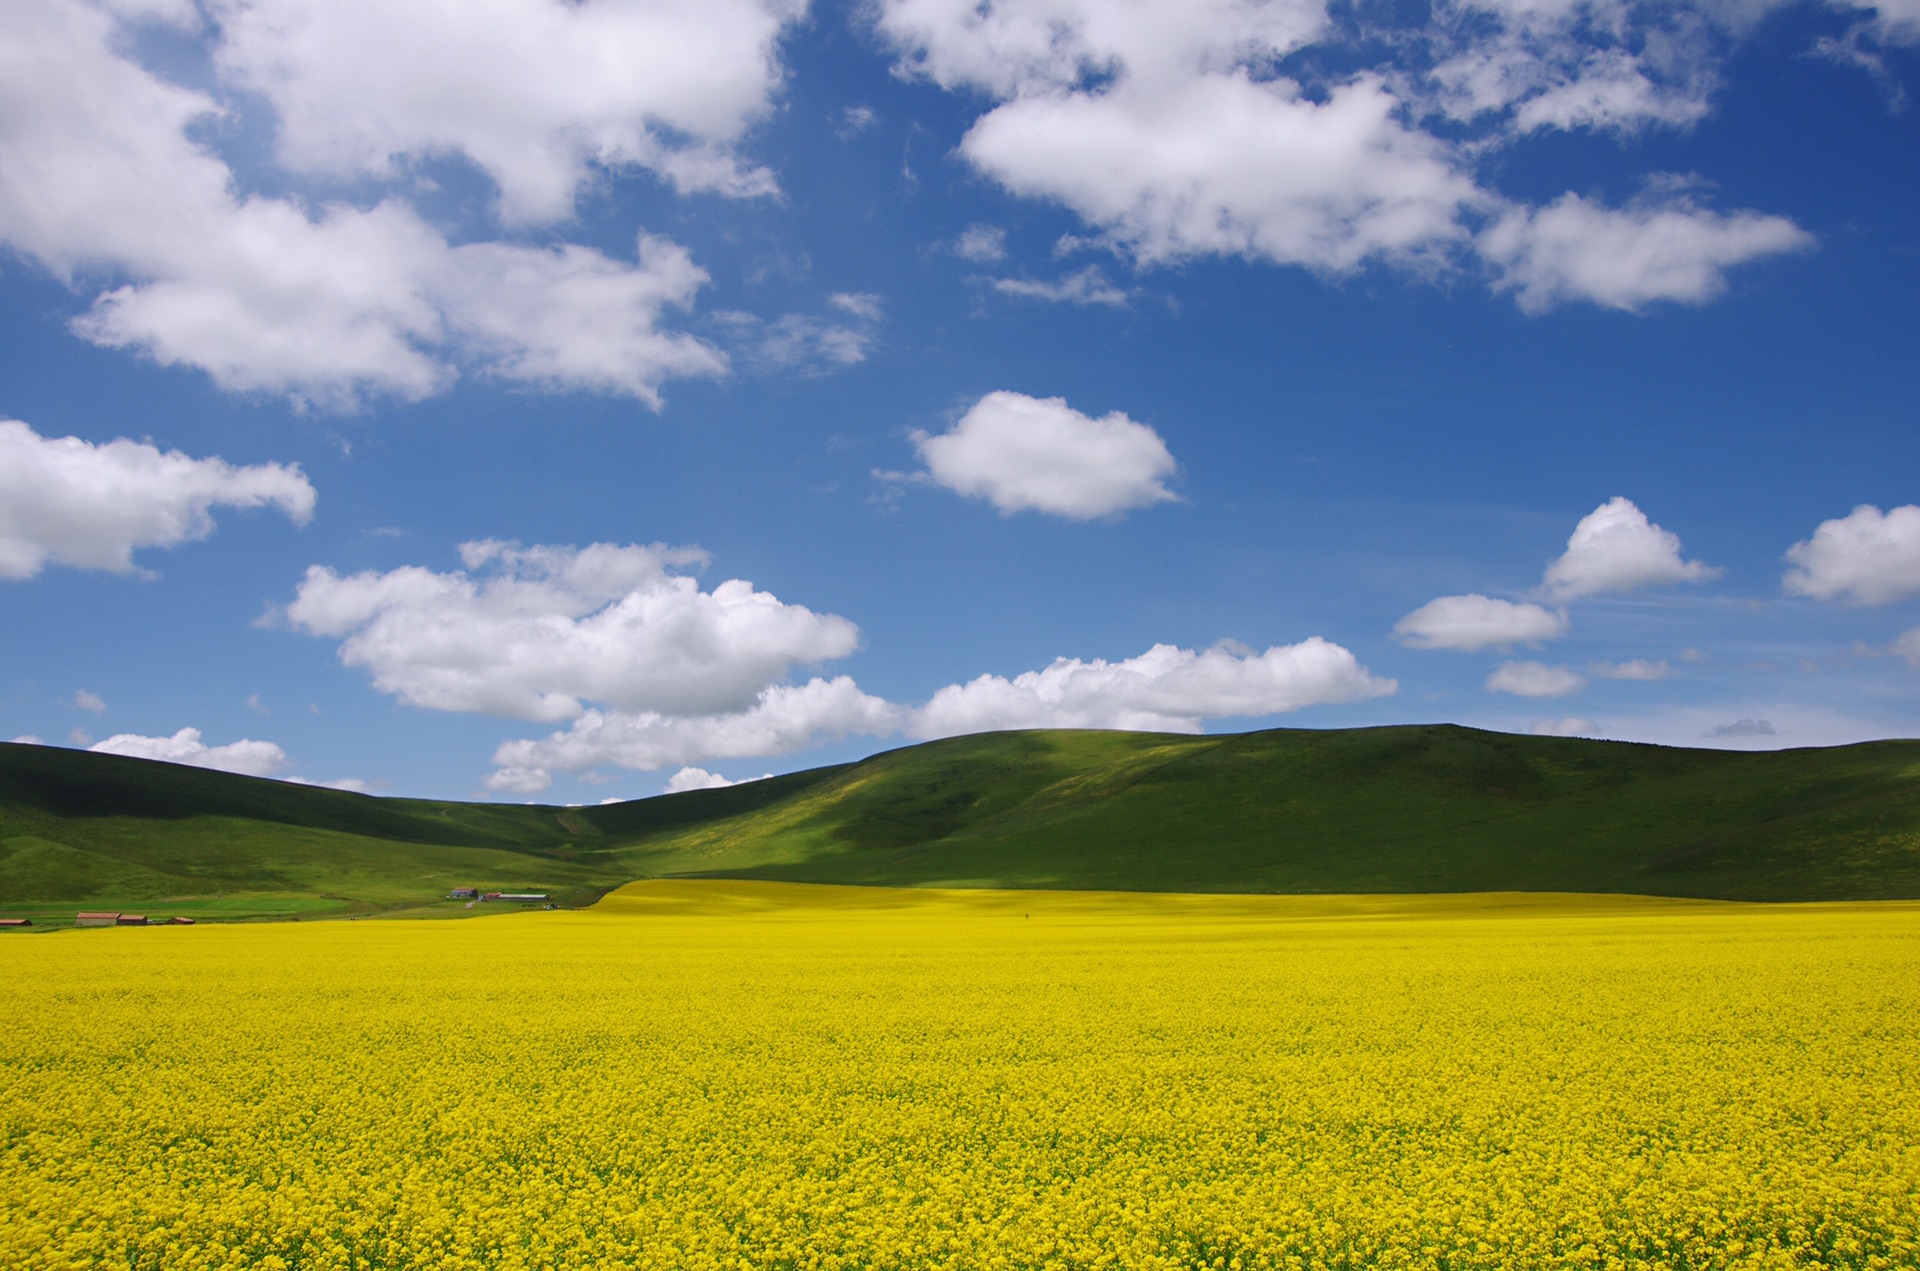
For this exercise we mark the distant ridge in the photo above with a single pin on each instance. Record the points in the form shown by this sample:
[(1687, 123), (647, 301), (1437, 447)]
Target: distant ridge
[(1422, 808)]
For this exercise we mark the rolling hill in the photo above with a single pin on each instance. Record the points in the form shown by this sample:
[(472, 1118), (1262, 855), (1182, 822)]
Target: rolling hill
[(1400, 809)]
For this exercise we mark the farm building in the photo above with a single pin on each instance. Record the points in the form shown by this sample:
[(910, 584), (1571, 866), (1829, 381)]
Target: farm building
[(464, 893), (177, 921), (130, 920), (523, 897), (15, 922), (97, 918)]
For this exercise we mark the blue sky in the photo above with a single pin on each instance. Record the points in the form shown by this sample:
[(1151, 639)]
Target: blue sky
[(571, 402)]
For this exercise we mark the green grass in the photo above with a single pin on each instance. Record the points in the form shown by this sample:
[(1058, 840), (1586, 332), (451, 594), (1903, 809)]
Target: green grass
[(1381, 810)]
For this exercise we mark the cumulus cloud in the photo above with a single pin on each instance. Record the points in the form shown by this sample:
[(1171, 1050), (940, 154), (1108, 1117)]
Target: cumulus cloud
[(1534, 679), (537, 633), (1868, 557), (691, 778), (70, 502), (85, 701), (1570, 726), (1615, 548), (1088, 286), (1166, 128), (783, 718), (1165, 689), (1026, 453), (324, 301), (246, 757), (537, 93), (1474, 621), (1222, 164), (1907, 645), (1627, 258)]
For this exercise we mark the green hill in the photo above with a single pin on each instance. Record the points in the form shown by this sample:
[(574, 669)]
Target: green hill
[(1401, 809)]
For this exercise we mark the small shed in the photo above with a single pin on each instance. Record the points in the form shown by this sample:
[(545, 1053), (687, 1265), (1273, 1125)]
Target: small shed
[(16, 922), (97, 918), (130, 920), (464, 893), (178, 921)]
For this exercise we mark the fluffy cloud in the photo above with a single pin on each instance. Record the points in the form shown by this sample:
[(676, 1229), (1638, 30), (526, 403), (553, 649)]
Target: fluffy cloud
[(1627, 258), (691, 778), (1165, 689), (100, 174), (85, 701), (249, 758), (1534, 679), (1222, 164), (1163, 125), (1024, 453), (535, 92), (70, 502), (1868, 557), (784, 718), (1908, 646), (1474, 621), (537, 633), (1615, 548)]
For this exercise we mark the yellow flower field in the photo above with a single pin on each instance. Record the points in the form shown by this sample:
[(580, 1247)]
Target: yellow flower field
[(722, 1075)]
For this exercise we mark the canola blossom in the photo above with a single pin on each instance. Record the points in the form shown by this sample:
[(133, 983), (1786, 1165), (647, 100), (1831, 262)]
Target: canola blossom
[(710, 1075)]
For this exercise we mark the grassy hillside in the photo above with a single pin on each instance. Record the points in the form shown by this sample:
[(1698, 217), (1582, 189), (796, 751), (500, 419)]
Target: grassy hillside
[(1404, 809), (81, 830)]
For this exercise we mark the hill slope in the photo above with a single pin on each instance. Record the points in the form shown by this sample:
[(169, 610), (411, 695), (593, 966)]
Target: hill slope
[(1401, 809)]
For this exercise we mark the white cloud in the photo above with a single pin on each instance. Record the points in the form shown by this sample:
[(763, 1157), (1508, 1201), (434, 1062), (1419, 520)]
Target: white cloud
[(783, 719), (1165, 689), (1597, 64), (1027, 453), (247, 757), (1868, 557), (1474, 621), (570, 317), (690, 778), (1163, 125), (982, 244), (1087, 286), (1907, 645), (535, 92), (1222, 164), (1627, 258), (1570, 726), (27, 739), (322, 302), (1633, 669), (1534, 679), (537, 633), (70, 502), (1615, 548), (809, 344), (85, 701)]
